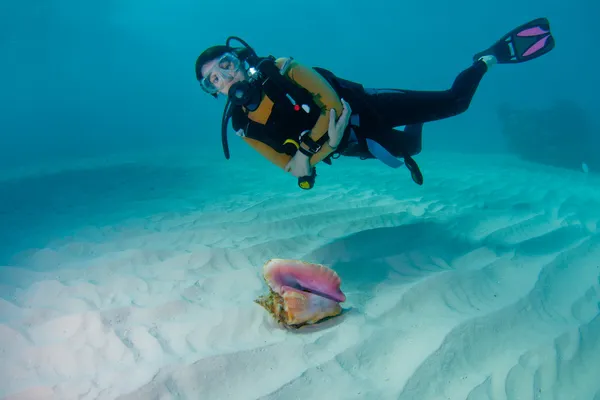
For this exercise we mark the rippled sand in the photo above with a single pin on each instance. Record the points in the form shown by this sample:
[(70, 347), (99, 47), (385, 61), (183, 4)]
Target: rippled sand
[(136, 281)]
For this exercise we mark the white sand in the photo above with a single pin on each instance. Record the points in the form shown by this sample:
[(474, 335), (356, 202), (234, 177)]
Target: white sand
[(483, 284)]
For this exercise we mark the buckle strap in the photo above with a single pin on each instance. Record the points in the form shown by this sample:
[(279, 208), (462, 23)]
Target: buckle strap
[(313, 147)]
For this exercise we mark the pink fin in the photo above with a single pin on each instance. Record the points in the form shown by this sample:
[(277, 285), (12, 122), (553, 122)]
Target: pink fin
[(536, 47), (532, 32)]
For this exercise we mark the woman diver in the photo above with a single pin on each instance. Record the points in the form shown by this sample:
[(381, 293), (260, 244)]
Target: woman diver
[(288, 112)]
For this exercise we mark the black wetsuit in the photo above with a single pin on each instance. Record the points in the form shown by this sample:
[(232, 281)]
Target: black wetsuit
[(377, 113), (380, 111)]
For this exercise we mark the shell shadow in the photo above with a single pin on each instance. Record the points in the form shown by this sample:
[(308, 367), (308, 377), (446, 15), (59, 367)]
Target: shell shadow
[(407, 252)]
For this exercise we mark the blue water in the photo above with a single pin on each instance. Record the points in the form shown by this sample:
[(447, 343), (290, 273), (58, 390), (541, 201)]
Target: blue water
[(97, 80)]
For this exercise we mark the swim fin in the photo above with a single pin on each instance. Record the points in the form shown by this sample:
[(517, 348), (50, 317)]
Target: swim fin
[(524, 43)]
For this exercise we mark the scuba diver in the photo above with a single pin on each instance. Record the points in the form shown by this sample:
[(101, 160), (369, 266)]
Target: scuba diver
[(288, 112)]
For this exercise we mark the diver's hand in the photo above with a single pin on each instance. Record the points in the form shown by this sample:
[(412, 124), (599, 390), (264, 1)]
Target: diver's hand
[(336, 129), (299, 165)]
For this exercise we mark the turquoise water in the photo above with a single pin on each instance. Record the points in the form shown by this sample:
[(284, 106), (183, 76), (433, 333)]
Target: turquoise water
[(131, 250)]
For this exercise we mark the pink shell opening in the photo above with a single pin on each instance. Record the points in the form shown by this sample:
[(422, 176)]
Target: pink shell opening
[(313, 278)]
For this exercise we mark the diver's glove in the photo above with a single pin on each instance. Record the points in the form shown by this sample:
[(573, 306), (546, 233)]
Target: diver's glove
[(336, 129), (299, 165)]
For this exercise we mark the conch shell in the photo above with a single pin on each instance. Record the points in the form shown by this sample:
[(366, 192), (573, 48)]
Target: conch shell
[(300, 293)]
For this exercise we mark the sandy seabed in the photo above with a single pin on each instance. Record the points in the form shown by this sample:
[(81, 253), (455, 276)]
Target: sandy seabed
[(135, 279)]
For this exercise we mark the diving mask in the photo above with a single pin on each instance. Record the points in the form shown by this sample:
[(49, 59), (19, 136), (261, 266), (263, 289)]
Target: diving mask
[(224, 70)]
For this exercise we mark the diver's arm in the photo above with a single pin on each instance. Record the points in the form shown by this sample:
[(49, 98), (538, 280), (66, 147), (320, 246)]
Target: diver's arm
[(323, 152), (279, 159), (323, 95)]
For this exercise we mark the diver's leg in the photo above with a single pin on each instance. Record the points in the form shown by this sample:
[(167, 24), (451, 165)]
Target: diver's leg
[(396, 107), (388, 145), (398, 142), (414, 129)]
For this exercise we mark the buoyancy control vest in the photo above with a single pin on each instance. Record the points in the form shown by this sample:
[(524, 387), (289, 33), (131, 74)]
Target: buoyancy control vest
[(294, 111)]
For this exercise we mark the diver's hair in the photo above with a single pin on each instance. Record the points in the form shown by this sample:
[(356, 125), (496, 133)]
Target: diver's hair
[(217, 51)]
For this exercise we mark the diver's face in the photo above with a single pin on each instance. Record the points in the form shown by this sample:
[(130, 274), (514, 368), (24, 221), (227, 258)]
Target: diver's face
[(221, 74)]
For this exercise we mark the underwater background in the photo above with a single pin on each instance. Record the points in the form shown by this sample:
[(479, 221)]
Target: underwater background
[(82, 79), (131, 250)]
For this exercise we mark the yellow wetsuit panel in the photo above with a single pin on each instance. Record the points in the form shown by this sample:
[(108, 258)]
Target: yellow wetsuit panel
[(279, 159), (324, 96)]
